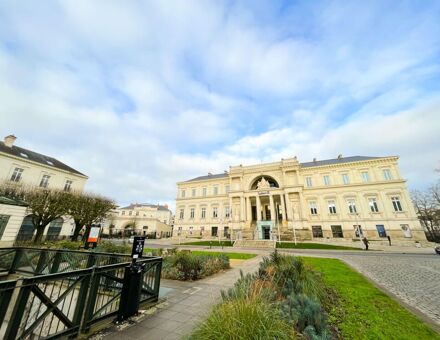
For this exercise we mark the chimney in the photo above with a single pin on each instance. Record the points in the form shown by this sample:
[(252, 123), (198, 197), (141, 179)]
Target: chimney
[(9, 140), (339, 156), (226, 172)]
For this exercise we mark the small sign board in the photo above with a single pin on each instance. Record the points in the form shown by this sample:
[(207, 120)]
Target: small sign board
[(138, 247), (93, 235)]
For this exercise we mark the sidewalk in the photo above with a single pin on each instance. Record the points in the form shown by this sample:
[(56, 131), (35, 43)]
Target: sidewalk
[(187, 303)]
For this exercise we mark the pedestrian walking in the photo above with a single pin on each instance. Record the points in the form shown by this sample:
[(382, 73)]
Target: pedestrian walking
[(389, 239), (366, 243)]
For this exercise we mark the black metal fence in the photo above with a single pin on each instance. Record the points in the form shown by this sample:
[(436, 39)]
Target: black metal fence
[(62, 293)]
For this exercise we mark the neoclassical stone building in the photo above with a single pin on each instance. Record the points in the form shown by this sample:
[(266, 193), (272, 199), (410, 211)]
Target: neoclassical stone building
[(342, 198)]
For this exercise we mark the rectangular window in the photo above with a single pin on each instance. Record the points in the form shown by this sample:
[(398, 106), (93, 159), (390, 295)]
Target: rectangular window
[(16, 175), (358, 232), (365, 176), (215, 191), (214, 231), (317, 231), (191, 230), (326, 179), (193, 192), (372, 202), (313, 208), (181, 214), (332, 207), (226, 232), (3, 223), (215, 212), (123, 212), (137, 213), (227, 212), (337, 231), (309, 181), (204, 191), (396, 204), (381, 230), (406, 230), (352, 206), (387, 174), (182, 194), (203, 212), (202, 230), (130, 212), (68, 185), (227, 189), (345, 179), (44, 181), (191, 213)]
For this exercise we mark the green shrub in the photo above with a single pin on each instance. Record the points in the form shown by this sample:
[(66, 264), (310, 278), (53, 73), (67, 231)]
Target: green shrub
[(306, 315), (291, 275), (183, 265), (244, 319), (110, 247)]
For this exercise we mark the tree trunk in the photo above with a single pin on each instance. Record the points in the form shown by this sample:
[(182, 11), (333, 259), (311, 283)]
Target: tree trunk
[(39, 234), (76, 231)]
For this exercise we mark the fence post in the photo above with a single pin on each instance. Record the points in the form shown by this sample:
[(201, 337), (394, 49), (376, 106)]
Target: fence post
[(157, 279), (16, 261), (56, 262), (82, 295), (90, 302), (42, 262), (18, 311), (6, 291)]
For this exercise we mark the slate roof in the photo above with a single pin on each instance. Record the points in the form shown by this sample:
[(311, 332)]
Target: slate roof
[(137, 205), (337, 161), (342, 160), (36, 157), (213, 176)]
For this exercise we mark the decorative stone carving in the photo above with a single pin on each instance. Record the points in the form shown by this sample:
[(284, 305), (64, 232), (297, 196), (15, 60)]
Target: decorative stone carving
[(263, 184)]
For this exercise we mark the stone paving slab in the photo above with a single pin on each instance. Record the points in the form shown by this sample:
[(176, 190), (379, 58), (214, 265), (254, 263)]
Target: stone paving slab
[(186, 305)]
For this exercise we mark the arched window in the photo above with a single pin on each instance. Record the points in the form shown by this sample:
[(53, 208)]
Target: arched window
[(27, 229), (54, 229)]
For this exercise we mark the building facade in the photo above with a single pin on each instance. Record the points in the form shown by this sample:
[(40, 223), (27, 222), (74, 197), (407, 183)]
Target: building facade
[(151, 220), (343, 198), (19, 165)]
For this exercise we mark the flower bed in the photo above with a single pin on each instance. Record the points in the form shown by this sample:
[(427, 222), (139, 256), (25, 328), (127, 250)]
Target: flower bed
[(281, 301)]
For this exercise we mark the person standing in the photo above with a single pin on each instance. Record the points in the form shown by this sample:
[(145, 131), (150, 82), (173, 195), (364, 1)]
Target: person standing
[(389, 239), (366, 243)]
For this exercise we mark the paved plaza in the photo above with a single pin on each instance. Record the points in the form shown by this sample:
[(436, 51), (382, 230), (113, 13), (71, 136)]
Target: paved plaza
[(411, 278), (415, 279)]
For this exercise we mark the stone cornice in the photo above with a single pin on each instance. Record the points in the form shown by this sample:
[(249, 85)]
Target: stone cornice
[(355, 163)]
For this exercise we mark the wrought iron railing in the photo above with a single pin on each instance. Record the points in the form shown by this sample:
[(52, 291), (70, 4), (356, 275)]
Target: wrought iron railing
[(52, 299)]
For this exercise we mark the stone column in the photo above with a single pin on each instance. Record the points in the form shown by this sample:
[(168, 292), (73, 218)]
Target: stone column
[(258, 208), (242, 209), (272, 208), (289, 212), (249, 210), (283, 207)]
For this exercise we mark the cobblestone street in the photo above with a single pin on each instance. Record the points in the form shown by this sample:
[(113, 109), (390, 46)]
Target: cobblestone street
[(415, 279)]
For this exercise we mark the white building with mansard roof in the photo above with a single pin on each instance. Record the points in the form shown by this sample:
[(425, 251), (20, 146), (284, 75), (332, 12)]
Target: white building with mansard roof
[(342, 198), (20, 165)]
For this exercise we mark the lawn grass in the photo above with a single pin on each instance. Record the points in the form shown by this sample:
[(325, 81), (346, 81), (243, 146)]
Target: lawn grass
[(313, 246), (214, 243), (362, 311), (232, 256)]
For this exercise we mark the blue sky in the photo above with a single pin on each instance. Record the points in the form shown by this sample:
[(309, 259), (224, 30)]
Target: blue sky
[(141, 94)]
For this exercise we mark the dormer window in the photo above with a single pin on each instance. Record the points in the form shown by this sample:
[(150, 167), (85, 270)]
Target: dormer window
[(49, 162), (22, 154)]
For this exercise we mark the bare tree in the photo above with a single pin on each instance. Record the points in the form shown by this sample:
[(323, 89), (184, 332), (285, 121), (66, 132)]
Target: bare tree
[(44, 205), (427, 206), (87, 209)]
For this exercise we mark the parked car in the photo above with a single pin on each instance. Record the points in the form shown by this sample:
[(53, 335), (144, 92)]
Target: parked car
[(437, 250)]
